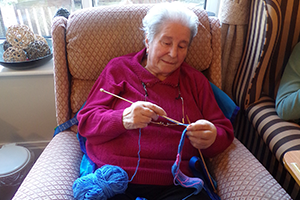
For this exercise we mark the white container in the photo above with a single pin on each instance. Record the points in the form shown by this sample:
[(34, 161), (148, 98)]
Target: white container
[(14, 164)]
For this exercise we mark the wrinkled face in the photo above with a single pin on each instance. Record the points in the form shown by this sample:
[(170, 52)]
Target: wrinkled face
[(168, 49)]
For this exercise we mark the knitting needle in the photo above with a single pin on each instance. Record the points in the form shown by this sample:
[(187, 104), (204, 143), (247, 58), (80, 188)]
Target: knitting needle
[(102, 90), (168, 118), (205, 167)]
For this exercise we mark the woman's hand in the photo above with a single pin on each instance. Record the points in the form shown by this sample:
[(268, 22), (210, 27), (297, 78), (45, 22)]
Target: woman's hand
[(201, 134), (140, 114)]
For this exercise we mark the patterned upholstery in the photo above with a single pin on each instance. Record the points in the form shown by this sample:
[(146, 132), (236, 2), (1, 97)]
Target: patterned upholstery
[(83, 45), (281, 136), (62, 84), (263, 31), (274, 30), (53, 174), (240, 176), (288, 37)]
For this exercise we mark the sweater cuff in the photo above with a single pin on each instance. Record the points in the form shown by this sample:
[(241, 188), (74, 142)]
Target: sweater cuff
[(221, 143), (117, 122)]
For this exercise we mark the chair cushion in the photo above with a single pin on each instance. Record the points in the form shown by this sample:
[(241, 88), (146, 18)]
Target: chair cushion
[(228, 107), (79, 92), (92, 40), (279, 135)]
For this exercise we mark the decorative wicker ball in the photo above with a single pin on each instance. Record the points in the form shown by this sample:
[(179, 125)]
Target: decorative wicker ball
[(39, 38), (37, 49), (13, 54), (6, 45), (19, 36)]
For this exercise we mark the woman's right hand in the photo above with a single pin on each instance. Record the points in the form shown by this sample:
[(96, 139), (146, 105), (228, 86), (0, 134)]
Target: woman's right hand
[(140, 114)]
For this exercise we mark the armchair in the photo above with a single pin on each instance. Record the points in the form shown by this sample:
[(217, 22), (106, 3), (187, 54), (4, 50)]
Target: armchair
[(266, 54), (82, 46)]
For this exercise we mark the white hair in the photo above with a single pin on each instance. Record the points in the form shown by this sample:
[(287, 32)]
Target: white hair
[(169, 12)]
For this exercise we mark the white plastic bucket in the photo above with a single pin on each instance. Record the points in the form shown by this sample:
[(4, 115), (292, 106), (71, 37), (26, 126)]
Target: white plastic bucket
[(14, 164)]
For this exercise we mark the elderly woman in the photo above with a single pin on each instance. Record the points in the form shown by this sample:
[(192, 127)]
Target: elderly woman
[(159, 83)]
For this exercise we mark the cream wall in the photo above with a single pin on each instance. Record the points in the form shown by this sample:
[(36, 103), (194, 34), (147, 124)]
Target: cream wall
[(27, 106)]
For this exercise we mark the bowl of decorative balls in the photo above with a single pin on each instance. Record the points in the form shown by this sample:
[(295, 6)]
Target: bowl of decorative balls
[(23, 49)]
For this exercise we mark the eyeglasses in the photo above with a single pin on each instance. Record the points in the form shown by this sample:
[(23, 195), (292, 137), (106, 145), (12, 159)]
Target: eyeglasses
[(174, 122)]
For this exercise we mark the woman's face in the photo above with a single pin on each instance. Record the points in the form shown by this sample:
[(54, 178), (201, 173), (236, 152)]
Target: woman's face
[(168, 49)]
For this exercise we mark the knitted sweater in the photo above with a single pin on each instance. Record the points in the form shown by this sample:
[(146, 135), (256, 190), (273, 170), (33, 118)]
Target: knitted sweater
[(108, 142), (288, 95)]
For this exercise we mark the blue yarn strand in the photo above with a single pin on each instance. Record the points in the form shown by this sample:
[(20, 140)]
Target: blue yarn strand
[(139, 156)]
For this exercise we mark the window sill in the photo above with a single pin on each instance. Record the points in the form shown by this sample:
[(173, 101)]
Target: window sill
[(45, 69)]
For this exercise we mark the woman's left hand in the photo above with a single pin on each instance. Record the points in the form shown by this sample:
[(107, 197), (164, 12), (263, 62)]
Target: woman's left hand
[(202, 134)]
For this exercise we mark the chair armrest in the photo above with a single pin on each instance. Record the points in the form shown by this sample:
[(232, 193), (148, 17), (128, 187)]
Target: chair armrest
[(53, 174), (279, 135), (241, 176), (236, 169)]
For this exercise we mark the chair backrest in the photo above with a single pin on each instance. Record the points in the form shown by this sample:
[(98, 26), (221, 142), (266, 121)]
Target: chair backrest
[(274, 30), (85, 42), (288, 37)]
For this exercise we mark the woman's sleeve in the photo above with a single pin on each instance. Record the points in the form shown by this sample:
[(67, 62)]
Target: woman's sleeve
[(214, 114), (97, 119), (288, 96)]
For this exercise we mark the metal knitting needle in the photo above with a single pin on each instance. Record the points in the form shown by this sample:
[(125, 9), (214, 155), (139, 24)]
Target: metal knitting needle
[(205, 167), (102, 90), (168, 118)]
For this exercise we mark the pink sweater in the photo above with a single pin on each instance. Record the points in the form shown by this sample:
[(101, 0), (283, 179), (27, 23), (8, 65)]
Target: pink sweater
[(108, 142)]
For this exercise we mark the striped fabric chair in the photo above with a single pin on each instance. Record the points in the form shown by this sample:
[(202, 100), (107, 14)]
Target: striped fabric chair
[(272, 33)]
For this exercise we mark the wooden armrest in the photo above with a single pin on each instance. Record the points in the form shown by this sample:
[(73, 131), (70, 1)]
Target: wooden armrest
[(291, 161), (55, 170)]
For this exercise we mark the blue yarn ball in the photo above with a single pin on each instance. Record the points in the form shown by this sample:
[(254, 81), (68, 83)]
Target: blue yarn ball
[(103, 184)]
